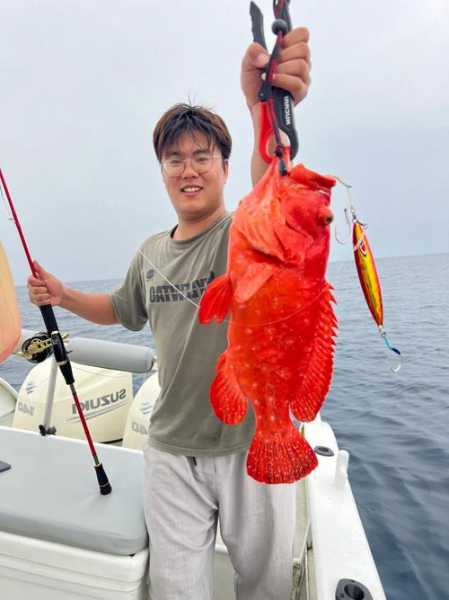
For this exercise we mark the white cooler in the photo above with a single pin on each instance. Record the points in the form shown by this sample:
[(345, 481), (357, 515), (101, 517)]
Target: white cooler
[(59, 538)]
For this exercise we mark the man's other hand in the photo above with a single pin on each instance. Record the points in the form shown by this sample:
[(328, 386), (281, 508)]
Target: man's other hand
[(44, 289)]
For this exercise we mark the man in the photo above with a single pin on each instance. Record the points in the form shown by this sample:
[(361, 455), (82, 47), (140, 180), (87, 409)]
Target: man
[(194, 465)]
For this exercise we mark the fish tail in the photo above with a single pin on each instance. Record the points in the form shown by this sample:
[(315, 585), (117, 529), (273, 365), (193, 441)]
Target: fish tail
[(280, 457), (227, 399)]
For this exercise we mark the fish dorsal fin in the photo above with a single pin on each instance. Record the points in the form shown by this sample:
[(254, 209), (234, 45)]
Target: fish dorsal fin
[(252, 280)]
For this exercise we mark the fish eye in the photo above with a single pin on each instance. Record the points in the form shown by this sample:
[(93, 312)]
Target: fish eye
[(325, 215)]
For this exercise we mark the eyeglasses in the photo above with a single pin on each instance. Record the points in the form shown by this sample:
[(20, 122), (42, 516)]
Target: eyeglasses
[(201, 163)]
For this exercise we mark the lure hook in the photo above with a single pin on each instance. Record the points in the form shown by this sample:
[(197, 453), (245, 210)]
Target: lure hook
[(349, 211)]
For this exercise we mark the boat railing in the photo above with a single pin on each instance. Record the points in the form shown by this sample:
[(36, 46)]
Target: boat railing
[(105, 354)]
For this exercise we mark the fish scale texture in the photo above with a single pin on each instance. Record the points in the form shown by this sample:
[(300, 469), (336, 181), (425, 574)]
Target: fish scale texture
[(282, 327)]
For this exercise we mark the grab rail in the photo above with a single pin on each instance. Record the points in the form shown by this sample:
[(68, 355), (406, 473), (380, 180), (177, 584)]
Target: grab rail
[(105, 354)]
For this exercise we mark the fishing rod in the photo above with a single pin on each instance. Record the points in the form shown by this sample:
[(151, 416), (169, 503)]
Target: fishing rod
[(60, 352)]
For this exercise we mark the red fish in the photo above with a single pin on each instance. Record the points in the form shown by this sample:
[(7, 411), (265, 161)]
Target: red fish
[(282, 326)]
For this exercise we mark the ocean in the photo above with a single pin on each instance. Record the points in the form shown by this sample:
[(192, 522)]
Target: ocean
[(395, 425)]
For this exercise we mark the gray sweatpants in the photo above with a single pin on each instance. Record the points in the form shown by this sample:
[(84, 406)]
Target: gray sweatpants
[(183, 502)]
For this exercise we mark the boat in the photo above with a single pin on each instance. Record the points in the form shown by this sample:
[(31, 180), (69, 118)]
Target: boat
[(60, 539)]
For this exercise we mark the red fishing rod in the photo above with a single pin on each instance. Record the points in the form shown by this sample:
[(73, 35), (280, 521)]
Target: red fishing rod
[(60, 352)]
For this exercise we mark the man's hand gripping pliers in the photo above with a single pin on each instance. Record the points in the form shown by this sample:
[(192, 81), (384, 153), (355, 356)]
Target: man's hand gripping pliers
[(276, 105)]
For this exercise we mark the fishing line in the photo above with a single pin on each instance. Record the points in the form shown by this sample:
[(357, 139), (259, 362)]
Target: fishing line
[(242, 323), (168, 281)]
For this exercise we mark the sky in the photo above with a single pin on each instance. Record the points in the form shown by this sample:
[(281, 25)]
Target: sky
[(83, 84)]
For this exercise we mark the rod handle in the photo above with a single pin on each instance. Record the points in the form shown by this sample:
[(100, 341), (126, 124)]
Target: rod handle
[(49, 318), (103, 481)]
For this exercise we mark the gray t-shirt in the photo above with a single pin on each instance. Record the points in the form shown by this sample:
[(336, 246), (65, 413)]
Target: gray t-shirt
[(163, 276)]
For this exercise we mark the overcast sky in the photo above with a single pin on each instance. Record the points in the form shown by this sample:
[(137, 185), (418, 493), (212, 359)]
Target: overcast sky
[(84, 82)]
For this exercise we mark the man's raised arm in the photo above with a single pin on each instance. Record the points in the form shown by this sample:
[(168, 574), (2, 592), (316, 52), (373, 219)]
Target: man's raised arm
[(292, 74)]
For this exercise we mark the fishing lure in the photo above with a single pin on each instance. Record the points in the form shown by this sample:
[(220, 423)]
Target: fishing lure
[(367, 272)]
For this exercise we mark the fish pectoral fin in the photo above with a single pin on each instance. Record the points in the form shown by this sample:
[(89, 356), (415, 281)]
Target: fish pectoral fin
[(316, 369), (216, 300), (226, 396), (256, 275)]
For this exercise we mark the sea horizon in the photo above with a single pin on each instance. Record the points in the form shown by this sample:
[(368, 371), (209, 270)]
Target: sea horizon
[(331, 262)]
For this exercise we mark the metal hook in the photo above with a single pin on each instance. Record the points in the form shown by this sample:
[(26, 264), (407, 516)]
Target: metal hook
[(349, 225), (348, 211)]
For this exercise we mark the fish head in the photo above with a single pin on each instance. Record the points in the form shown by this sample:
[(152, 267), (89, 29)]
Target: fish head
[(305, 203), (305, 200)]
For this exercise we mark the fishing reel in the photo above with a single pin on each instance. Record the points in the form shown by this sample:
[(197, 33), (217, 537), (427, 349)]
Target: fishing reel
[(39, 347)]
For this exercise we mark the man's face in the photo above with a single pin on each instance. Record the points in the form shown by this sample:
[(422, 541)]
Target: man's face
[(195, 195)]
